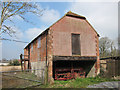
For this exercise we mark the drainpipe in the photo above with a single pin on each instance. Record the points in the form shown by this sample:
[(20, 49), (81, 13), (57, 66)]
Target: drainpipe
[(46, 47), (29, 66), (46, 70)]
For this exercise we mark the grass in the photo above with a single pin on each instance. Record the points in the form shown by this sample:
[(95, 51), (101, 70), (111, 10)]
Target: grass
[(78, 83), (12, 82)]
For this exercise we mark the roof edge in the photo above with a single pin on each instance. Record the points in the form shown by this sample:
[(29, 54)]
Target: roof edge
[(70, 14), (36, 37), (93, 28)]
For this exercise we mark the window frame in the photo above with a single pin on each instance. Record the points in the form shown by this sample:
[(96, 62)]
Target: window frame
[(38, 55), (79, 44), (39, 42), (31, 47)]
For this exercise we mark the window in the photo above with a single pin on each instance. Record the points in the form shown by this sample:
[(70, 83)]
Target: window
[(31, 46), (76, 44), (39, 58), (39, 42)]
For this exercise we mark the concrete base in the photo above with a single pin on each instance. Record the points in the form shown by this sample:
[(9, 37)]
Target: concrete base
[(38, 68), (92, 72)]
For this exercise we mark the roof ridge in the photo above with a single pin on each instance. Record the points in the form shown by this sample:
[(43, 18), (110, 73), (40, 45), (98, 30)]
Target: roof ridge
[(69, 13)]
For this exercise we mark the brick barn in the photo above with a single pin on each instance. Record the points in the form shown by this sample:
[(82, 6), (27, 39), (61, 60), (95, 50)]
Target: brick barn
[(70, 45)]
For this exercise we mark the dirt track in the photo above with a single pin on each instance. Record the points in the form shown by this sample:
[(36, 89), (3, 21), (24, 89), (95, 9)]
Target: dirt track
[(13, 82), (9, 68)]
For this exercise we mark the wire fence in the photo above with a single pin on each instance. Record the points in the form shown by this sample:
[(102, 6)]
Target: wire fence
[(23, 79)]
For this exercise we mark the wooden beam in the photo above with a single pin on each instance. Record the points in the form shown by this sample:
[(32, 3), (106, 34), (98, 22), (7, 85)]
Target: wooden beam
[(74, 58), (21, 62)]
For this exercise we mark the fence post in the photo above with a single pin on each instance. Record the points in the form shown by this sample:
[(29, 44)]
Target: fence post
[(21, 62), (46, 76), (43, 76)]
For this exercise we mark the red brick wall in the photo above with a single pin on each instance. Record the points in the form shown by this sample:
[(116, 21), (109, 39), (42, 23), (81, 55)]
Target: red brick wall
[(50, 55), (34, 57), (26, 51), (43, 48)]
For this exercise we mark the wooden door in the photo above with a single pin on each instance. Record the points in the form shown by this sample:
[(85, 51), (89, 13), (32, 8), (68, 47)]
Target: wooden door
[(76, 44)]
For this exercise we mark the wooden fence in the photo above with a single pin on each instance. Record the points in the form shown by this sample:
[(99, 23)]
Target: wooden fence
[(111, 66)]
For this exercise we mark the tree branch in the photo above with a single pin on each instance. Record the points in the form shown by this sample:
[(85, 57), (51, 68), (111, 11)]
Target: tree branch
[(16, 11), (3, 13)]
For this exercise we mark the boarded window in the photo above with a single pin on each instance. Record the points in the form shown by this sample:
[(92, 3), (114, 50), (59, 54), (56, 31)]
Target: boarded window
[(39, 58), (31, 47), (76, 44), (39, 42)]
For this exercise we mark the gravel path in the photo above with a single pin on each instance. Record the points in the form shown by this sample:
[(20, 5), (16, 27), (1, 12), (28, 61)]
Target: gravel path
[(113, 84)]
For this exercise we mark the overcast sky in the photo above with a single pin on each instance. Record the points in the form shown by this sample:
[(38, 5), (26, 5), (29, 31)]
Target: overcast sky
[(103, 16)]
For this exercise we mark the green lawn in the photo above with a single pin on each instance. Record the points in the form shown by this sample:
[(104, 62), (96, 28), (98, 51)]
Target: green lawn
[(78, 83)]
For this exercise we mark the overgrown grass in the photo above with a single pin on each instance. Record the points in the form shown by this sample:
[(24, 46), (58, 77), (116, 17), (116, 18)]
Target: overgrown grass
[(78, 83)]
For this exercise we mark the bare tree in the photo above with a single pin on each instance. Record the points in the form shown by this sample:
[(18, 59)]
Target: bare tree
[(11, 9), (106, 47), (113, 49)]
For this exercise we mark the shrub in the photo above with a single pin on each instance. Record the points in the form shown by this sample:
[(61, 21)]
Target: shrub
[(14, 63)]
